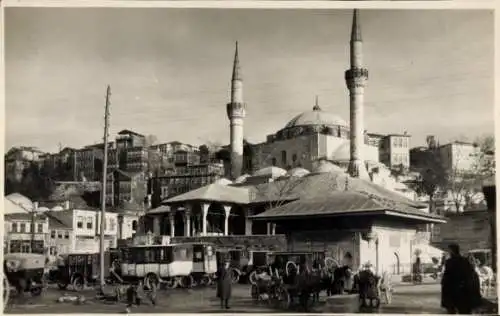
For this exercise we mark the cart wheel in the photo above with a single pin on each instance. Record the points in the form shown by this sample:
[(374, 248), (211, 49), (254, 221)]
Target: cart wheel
[(6, 292), (36, 291), (289, 266), (253, 277), (78, 283), (171, 283), (254, 292)]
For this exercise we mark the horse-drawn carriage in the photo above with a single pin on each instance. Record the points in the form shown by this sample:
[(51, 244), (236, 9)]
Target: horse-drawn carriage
[(243, 262), (23, 272), (82, 269)]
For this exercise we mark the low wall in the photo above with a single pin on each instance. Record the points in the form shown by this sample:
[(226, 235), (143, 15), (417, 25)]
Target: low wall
[(250, 242)]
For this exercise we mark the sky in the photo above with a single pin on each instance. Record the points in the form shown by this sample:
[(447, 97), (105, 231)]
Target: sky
[(431, 71)]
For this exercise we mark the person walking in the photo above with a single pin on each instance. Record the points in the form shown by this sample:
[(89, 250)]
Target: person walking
[(460, 290), (224, 282)]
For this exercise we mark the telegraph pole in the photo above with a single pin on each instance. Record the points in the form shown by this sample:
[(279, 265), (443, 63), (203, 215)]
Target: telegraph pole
[(103, 189)]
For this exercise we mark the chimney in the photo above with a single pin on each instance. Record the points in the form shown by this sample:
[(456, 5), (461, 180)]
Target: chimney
[(66, 205)]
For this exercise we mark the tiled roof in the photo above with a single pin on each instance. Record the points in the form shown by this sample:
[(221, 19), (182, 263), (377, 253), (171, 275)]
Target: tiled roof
[(213, 193), (60, 219), (23, 216), (341, 203), (317, 185)]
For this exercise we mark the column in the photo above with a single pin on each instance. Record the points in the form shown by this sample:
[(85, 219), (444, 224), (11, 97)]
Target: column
[(273, 229), (248, 222), (204, 210), (171, 217), (156, 225), (227, 212), (187, 220), (268, 228)]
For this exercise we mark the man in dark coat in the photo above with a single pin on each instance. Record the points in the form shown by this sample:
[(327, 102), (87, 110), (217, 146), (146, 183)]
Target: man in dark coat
[(224, 282), (460, 291)]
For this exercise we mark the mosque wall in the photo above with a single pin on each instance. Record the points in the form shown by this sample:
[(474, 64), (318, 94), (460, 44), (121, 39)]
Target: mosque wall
[(287, 153), (338, 149)]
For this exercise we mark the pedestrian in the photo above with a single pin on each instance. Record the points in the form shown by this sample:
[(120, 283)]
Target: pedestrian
[(224, 282), (460, 290)]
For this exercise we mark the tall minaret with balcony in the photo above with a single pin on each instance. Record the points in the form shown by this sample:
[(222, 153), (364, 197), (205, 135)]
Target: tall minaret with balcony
[(236, 111), (356, 78)]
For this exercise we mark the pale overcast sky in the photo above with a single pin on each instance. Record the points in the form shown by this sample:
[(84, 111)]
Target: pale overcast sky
[(431, 71)]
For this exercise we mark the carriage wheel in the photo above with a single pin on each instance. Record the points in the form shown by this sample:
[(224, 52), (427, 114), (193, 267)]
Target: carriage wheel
[(170, 283), (78, 283), (37, 291), (330, 263), (290, 265), (235, 275), (187, 281), (253, 277), (6, 292), (254, 292)]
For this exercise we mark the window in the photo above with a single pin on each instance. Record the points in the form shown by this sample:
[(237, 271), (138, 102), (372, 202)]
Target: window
[(40, 228), (66, 235), (59, 234), (23, 228), (89, 222), (112, 224), (14, 228), (79, 222), (53, 234), (273, 162), (134, 225), (283, 157)]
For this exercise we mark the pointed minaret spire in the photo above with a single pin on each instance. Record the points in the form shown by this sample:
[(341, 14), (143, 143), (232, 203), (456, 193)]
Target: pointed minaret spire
[(356, 29), (316, 105), (236, 65), (356, 78), (236, 111)]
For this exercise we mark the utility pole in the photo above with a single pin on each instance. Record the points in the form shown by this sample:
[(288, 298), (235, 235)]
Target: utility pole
[(103, 189), (33, 227), (75, 175)]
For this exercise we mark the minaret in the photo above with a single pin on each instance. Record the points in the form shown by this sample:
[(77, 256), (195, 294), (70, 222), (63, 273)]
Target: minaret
[(236, 111), (356, 78)]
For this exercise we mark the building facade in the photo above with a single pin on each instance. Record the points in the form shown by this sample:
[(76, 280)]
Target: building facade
[(24, 230)]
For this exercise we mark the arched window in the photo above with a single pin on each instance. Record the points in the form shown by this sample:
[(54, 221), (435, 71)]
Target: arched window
[(273, 161), (283, 157)]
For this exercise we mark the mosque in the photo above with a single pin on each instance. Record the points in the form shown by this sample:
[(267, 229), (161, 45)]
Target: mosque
[(312, 184)]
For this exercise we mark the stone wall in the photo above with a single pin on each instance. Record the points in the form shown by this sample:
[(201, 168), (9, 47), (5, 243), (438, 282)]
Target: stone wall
[(471, 230)]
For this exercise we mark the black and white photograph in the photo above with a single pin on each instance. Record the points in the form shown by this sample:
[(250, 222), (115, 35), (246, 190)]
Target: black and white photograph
[(249, 160)]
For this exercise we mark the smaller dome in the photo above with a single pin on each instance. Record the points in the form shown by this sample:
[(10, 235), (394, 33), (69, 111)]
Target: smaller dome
[(298, 172), (223, 181), (273, 172), (326, 166), (20, 200), (57, 208), (241, 178), (43, 209)]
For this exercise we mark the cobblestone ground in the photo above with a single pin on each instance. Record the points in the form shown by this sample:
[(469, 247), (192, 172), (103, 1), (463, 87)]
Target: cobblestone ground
[(414, 299)]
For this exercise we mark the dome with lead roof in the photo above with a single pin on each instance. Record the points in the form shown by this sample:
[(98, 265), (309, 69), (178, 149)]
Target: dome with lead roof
[(316, 117)]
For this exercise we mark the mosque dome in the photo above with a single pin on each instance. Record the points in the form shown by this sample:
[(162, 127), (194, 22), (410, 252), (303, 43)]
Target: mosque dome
[(57, 208), (316, 117), (298, 172), (43, 209), (241, 178), (273, 172), (223, 181), (326, 167)]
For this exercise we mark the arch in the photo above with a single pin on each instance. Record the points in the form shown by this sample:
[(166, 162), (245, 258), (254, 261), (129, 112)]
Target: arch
[(179, 223), (215, 218), (397, 265), (237, 221), (134, 225)]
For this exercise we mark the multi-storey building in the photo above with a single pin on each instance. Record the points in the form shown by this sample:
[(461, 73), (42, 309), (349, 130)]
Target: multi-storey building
[(18, 159), (184, 179), (395, 150), (125, 186), (129, 139), (24, 230), (459, 156)]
